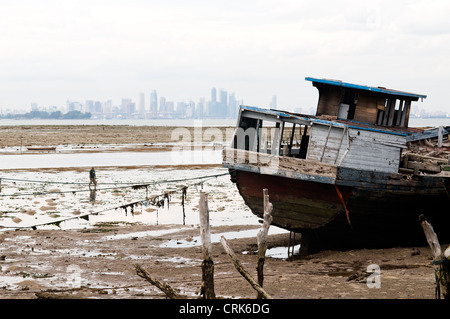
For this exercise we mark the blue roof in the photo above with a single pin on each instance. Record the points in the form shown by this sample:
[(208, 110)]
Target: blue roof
[(366, 88), (313, 119)]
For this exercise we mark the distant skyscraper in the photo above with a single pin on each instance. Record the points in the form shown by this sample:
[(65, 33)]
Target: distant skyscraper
[(223, 104), (273, 103), (74, 106), (98, 107), (142, 103), (181, 109), (89, 106), (232, 106), (127, 107), (107, 107), (200, 110), (223, 97), (169, 107), (162, 105), (213, 95), (153, 103)]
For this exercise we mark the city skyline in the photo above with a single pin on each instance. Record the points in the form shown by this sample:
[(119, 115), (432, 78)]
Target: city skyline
[(221, 104)]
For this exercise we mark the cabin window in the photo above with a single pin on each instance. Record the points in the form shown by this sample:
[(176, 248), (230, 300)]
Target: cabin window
[(246, 136), (304, 142), (394, 112), (295, 140), (347, 104), (287, 139), (275, 137)]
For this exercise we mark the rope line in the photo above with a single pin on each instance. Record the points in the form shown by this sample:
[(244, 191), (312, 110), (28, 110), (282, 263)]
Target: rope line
[(146, 201), (99, 189), (114, 183)]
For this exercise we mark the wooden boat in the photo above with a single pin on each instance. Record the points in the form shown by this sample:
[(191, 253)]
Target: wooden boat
[(353, 175)]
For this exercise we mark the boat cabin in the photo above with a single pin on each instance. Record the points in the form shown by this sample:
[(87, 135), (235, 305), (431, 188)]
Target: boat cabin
[(357, 127), (372, 105)]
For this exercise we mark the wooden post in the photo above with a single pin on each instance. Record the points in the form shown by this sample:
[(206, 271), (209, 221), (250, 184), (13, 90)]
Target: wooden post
[(207, 264), (262, 239), (441, 261), (440, 136), (241, 269), (400, 111)]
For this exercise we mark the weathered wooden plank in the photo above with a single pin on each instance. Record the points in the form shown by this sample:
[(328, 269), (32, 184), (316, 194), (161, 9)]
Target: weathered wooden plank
[(426, 159), (278, 165), (391, 112), (363, 145), (329, 97), (331, 137), (424, 167), (366, 109), (430, 133), (377, 181), (400, 112), (405, 114)]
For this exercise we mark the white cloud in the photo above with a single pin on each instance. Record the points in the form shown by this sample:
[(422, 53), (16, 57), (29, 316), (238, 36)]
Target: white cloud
[(97, 49)]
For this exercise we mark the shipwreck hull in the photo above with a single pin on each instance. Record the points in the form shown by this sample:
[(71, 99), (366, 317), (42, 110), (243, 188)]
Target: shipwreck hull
[(382, 208), (353, 174)]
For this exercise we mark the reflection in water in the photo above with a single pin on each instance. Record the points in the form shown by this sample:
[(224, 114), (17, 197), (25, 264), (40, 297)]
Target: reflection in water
[(92, 195)]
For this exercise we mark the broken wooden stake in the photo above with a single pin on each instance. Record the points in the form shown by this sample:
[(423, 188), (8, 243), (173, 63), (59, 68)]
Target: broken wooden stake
[(207, 264), (167, 289), (242, 270), (261, 238), (441, 261)]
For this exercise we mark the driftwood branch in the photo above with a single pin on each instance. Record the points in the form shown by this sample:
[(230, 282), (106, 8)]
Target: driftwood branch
[(441, 261), (165, 288), (242, 270), (262, 239)]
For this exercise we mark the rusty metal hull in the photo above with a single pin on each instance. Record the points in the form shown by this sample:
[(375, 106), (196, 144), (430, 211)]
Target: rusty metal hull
[(382, 208)]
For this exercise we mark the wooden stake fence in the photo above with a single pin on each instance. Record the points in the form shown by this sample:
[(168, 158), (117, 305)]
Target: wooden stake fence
[(207, 289)]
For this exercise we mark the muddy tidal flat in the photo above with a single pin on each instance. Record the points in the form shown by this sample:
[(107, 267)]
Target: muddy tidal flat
[(58, 239)]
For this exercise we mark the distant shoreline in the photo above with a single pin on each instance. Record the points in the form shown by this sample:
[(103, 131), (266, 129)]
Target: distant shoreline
[(206, 122)]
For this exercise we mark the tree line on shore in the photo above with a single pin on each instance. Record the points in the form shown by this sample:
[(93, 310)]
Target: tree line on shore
[(57, 115)]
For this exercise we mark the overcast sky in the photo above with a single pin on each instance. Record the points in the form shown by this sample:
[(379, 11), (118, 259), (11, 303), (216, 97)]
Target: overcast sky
[(52, 51)]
